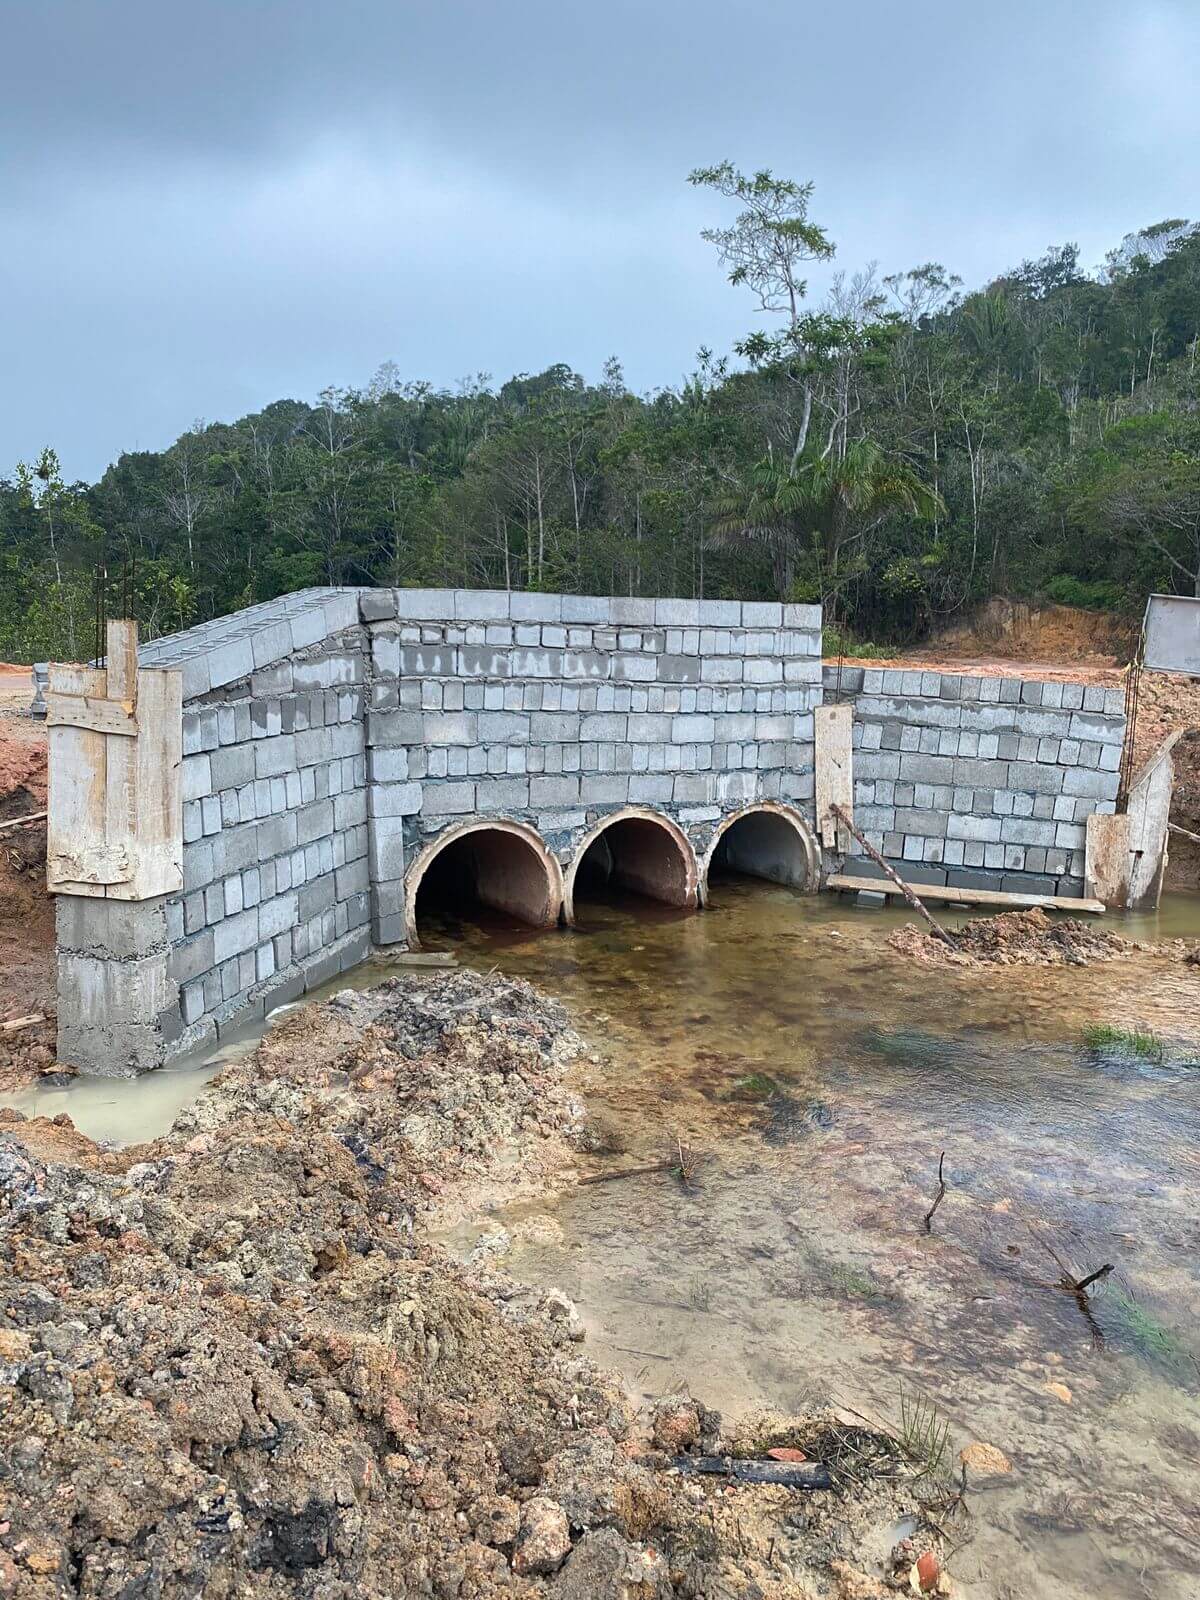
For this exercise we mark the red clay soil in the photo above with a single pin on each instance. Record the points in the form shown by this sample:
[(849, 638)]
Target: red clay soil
[(26, 910)]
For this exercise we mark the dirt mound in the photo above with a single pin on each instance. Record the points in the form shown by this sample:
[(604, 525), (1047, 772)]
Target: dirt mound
[(233, 1366), (1018, 631), (27, 986), (1015, 938)]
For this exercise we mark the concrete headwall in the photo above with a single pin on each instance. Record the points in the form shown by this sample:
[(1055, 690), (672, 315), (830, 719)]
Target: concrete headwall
[(332, 737), (555, 710), (335, 741), (982, 782)]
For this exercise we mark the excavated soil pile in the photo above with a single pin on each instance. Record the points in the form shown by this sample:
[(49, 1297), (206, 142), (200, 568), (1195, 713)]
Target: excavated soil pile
[(1015, 939), (230, 1366), (26, 910)]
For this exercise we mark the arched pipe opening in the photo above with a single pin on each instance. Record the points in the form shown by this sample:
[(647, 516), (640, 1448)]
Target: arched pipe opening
[(638, 851), (501, 865), (768, 841)]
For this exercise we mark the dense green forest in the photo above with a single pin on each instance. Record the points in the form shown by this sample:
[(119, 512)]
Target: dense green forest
[(898, 450)]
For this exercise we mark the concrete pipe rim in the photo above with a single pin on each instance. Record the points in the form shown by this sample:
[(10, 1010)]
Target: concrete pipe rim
[(506, 825), (773, 808), (633, 814)]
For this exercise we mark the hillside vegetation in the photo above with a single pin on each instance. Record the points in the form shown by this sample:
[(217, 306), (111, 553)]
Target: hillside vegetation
[(898, 451)]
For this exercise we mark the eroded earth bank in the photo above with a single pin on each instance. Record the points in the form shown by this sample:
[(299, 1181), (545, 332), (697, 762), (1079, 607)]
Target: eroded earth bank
[(233, 1361)]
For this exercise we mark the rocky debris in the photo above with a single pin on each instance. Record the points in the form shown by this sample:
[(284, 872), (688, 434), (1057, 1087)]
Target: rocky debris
[(1032, 938), (230, 1363), (544, 1537), (676, 1424), (604, 1566)]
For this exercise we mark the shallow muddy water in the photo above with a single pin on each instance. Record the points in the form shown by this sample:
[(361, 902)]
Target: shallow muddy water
[(817, 1078)]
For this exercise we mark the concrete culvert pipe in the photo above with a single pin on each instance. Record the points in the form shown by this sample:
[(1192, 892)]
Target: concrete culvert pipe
[(639, 852), (765, 841), (503, 866)]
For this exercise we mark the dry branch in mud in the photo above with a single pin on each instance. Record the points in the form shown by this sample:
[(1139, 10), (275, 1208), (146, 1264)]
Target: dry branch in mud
[(941, 1193), (234, 1366)]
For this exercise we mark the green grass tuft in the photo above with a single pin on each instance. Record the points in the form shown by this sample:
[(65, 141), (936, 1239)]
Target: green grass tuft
[(924, 1434), (755, 1086), (1107, 1040)]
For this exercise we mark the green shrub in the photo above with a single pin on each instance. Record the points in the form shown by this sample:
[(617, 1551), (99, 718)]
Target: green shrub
[(1096, 595), (835, 642)]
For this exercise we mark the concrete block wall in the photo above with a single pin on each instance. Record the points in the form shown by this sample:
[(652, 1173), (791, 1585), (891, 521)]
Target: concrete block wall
[(980, 781), (276, 893), (331, 735), (554, 710)]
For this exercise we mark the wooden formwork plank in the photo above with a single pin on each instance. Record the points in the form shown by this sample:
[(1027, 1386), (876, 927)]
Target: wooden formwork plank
[(848, 883), (834, 759), (77, 861), (115, 809), (120, 798), (157, 787), (1107, 858)]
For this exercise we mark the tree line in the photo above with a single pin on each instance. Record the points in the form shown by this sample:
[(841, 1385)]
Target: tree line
[(898, 450)]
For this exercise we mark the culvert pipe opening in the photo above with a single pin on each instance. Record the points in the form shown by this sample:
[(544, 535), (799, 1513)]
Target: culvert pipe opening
[(636, 855), (499, 870), (764, 844)]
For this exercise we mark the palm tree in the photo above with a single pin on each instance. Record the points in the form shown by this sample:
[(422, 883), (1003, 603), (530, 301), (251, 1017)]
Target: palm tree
[(823, 506)]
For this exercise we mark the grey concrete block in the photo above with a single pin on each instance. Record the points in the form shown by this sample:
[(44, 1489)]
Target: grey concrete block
[(677, 613), (377, 605), (603, 726), (433, 604), (394, 800), (447, 799), (678, 669), (585, 608), (549, 727), (966, 825), (1090, 785), (481, 605)]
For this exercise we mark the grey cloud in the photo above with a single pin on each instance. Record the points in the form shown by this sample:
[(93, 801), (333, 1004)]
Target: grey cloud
[(206, 207)]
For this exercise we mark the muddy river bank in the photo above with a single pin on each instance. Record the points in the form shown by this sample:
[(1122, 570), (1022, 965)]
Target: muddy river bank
[(234, 1360), (816, 1076)]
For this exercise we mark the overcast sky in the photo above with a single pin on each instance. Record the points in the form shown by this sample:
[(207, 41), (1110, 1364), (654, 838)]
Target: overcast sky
[(206, 207)]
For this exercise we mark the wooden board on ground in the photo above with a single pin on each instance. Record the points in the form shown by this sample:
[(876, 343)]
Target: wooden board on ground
[(846, 883)]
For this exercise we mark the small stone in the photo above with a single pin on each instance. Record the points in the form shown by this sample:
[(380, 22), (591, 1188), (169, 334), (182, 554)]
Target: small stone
[(544, 1539), (985, 1458), (927, 1571), (565, 1312), (1060, 1391), (676, 1424), (785, 1453), (495, 1519)]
